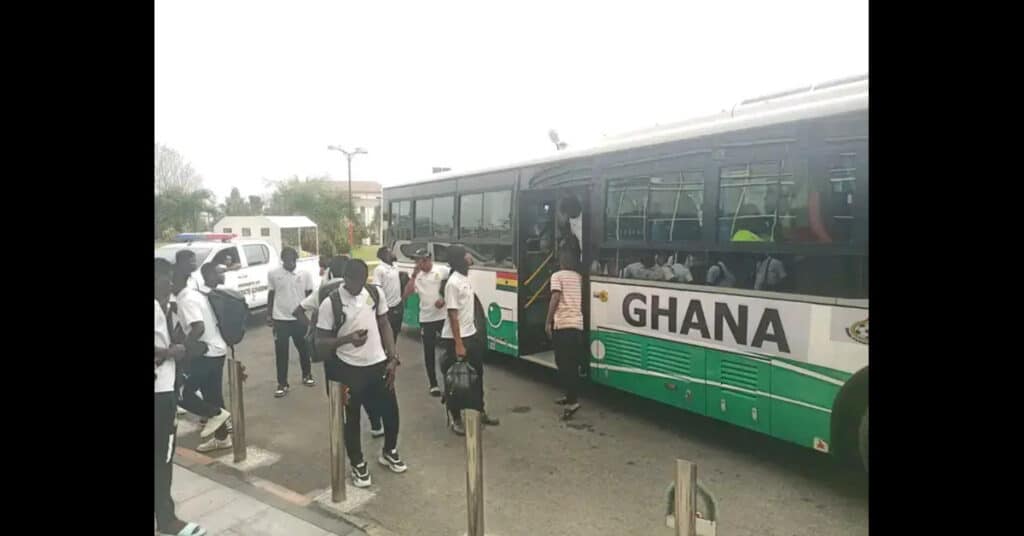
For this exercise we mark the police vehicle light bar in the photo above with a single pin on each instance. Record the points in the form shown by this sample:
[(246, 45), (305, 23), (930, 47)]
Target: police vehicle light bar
[(193, 237)]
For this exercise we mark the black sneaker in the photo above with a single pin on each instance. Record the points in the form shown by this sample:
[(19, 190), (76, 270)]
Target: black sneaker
[(360, 475), (562, 401), (281, 391), (392, 461), (308, 381), (489, 421)]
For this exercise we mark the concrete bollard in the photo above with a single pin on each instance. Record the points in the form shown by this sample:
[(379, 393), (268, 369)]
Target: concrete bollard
[(337, 401), (237, 409), (474, 472)]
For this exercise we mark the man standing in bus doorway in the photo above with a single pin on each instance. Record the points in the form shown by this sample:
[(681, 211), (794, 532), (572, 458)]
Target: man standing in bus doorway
[(426, 281), (564, 327), (570, 225), (459, 335), (287, 289)]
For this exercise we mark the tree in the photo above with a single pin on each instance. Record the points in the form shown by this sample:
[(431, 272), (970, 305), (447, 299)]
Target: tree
[(179, 199), (182, 211), (235, 204), (255, 205), (317, 199), (172, 172)]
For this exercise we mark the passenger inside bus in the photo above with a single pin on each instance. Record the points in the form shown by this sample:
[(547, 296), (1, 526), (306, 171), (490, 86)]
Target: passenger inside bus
[(675, 271), (645, 268), (719, 275), (769, 274), (749, 224)]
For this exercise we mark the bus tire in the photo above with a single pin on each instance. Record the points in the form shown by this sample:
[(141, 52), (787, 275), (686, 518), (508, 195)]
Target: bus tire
[(862, 442)]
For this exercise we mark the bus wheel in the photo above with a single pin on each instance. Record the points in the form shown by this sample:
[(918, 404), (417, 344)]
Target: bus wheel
[(862, 442)]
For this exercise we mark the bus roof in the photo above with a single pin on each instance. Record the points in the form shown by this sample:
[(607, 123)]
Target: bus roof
[(827, 98)]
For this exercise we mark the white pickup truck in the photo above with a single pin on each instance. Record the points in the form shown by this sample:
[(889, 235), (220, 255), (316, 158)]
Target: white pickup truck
[(250, 262)]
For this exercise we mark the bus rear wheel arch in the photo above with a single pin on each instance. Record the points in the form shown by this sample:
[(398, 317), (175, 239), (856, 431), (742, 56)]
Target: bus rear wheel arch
[(849, 420)]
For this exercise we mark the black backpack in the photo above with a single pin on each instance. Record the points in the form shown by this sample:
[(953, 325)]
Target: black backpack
[(461, 386), (332, 291), (232, 314)]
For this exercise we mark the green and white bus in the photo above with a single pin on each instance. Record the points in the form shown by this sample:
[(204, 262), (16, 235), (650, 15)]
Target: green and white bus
[(773, 192)]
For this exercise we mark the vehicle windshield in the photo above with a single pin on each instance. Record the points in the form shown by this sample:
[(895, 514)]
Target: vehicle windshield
[(168, 252)]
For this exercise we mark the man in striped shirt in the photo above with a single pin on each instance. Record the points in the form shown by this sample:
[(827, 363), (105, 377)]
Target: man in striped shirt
[(565, 327)]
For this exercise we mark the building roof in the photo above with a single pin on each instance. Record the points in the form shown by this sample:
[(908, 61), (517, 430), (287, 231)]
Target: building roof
[(358, 187)]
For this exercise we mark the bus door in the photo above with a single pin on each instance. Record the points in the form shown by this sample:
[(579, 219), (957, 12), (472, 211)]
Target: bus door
[(549, 221)]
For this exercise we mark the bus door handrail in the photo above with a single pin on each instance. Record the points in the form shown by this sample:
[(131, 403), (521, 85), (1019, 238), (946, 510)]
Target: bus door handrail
[(539, 268), (536, 294)]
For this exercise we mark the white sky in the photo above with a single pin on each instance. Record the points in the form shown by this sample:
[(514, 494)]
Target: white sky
[(253, 90)]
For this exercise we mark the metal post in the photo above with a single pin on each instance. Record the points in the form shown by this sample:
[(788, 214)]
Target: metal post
[(474, 472), (237, 409), (686, 498), (351, 207), (337, 441)]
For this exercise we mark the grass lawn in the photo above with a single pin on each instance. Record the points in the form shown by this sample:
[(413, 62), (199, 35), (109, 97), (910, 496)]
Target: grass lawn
[(367, 253)]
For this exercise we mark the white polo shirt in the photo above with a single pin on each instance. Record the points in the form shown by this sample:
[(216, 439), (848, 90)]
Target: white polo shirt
[(428, 287), (162, 339), (289, 289), (312, 303), (458, 294), (359, 314), (386, 276), (194, 307)]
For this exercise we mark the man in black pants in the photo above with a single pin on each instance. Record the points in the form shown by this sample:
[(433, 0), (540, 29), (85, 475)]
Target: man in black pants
[(311, 304), (426, 282), (287, 289), (165, 400), (459, 335), (206, 373), (365, 360)]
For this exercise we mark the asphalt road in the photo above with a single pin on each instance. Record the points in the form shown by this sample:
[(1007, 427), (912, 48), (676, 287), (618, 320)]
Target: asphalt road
[(603, 473)]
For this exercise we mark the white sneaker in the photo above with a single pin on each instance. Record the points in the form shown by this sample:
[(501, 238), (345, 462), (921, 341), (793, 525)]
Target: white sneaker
[(214, 423), (215, 444)]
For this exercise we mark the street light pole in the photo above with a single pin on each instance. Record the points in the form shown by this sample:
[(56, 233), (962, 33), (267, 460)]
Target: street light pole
[(351, 207)]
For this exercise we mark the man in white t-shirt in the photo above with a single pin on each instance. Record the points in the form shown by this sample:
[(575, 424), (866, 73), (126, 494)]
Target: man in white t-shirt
[(459, 335), (165, 400), (310, 306), (287, 289), (365, 360), (206, 370), (426, 282), (386, 276)]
